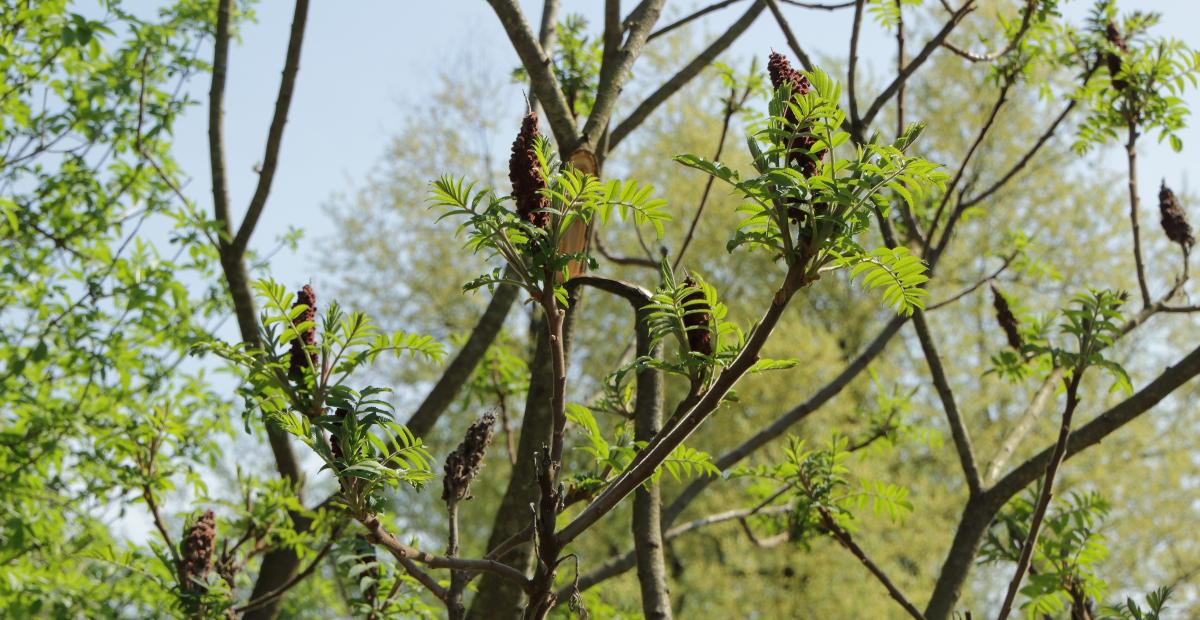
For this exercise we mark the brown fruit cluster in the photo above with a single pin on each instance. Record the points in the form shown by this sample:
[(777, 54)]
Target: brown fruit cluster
[(335, 445), (781, 73), (196, 551), (1174, 218), (696, 319), (526, 175), (1005, 318), (464, 463), (301, 354), (1113, 59)]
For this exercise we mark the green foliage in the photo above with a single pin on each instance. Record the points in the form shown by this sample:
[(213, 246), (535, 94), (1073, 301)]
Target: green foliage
[(1156, 604), (816, 220), (1146, 93), (531, 252), (610, 459), (370, 452), (1070, 549), (576, 65), (823, 493)]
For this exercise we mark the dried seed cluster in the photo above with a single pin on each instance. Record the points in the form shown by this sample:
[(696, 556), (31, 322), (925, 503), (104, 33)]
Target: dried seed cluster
[(781, 73), (526, 174), (197, 550), (1113, 59), (696, 319), (335, 445), (1005, 318), (1174, 218), (464, 463), (302, 352)]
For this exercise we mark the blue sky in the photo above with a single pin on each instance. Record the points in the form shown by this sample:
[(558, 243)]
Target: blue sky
[(366, 61)]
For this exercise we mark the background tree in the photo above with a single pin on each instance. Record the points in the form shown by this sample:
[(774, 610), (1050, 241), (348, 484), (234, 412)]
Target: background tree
[(103, 411)]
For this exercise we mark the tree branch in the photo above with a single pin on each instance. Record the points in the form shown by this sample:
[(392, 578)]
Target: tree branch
[(847, 541), (917, 61), (791, 418), (283, 102), (459, 370), (613, 75), (683, 76), (958, 430), (541, 75)]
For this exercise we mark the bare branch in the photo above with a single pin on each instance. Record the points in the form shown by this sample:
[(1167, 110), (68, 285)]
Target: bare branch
[(614, 72), (1134, 204), (1024, 424), (1044, 496), (263, 600), (683, 76), (541, 76), (687, 19), (851, 90), (958, 430), (283, 102), (378, 535), (459, 370), (917, 61), (846, 540)]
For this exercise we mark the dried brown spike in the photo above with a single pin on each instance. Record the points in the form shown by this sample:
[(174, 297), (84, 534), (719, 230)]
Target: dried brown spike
[(1005, 318), (301, 356), (526, 174), (1113, 59), (196, 550), (696, 319), (463, 465), (781, 73), (1174, 218), (335, 445)]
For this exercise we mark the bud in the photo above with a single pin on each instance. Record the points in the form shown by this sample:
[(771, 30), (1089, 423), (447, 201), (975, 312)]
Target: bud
[(1005, 318), (1112, 58), (301, 355), (781, 73), (1174, 218), (696, 318), (526, 174), (197, 550), (464, 463)]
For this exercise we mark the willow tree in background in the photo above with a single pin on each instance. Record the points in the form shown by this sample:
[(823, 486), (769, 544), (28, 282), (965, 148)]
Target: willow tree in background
[(806, 253)]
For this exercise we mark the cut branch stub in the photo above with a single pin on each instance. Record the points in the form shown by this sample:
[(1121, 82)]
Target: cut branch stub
[(197, 551), (575, 238), (1174, 218), (463, 465), (526, 174)]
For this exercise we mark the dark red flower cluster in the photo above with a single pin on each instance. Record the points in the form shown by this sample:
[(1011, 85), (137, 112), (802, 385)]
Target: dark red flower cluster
[(464, 463), (1174, 218), (196, 551), (302, 352), (781, 73), (1005, 318), (696, 319), (1112, 58), (526, 175)]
